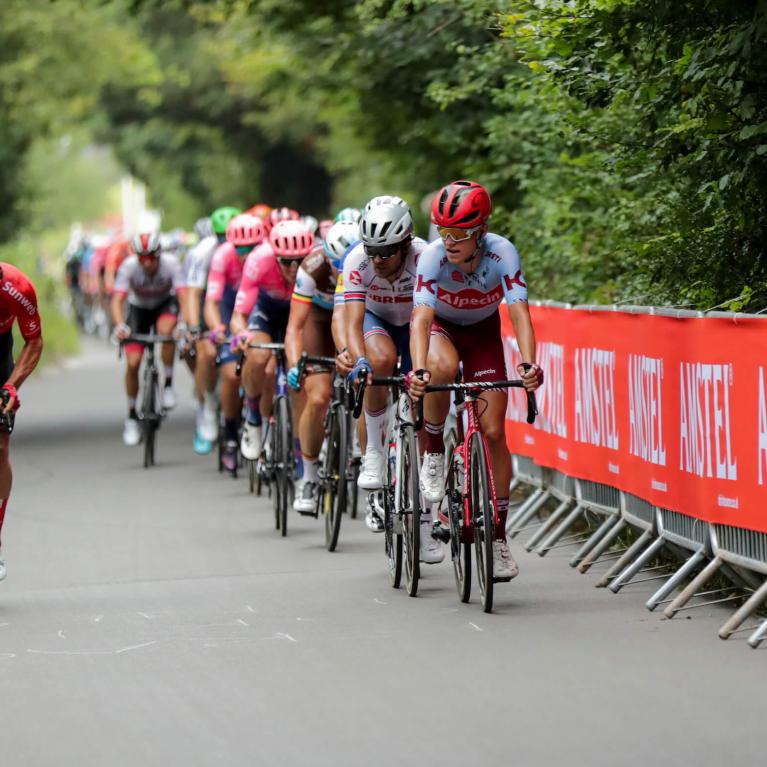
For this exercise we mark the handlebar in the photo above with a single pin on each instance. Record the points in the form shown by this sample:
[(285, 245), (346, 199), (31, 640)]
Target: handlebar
[(269, 347)]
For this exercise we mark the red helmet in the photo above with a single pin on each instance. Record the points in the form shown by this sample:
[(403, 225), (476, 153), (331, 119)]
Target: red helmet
[(146, 244), (245, 230), (291, 239), (463, 204), (281, 214), (262, 210)]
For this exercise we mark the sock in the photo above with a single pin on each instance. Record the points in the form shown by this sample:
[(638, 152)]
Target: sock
[(374, 423), (310, 469), (434, 442), (210, 401), (132, 408), (252, 412), (168, 374), (198, 414), (3, 504), (230, 429), (503, 511)]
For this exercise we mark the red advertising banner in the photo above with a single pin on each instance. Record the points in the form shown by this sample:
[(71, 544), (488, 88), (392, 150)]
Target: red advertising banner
[(672, 410)]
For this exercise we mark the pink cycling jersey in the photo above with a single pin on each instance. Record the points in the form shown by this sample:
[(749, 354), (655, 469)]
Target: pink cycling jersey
[(225, 272), (261, 273), (463, 298)]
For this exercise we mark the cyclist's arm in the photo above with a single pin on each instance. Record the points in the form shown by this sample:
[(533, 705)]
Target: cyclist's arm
[(338, 327), (519, 312), (294, 335), (238, 323), (27, 361), (213, 313), (118, 308), (191, 309), (420, 328), (355, 316)]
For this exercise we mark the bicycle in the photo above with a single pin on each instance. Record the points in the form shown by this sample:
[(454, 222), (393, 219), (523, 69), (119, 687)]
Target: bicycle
[(471, 509), (151, 415), (401, 496), (221, 438)]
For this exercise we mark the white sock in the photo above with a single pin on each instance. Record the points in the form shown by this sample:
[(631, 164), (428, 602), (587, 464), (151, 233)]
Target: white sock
[(310, 469), (210, 401), (375, 423), (168, 369)]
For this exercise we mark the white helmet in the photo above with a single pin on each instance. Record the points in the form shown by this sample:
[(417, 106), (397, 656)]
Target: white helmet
[(386, 220), (338, 239), (311, 222)]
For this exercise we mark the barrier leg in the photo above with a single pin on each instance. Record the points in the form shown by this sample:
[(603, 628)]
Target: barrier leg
[(625, 558), (513, 485), (758, 636), (678, 577), (548, 524), (602, 546), (594, 539), (531, 499), (692, 587), (744, 611), (560, 530), (624, 577), (529, 514)]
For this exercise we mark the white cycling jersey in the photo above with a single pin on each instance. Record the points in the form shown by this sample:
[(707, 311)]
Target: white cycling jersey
[(391, 301), (144, 291), (199, 258), (465, 299)]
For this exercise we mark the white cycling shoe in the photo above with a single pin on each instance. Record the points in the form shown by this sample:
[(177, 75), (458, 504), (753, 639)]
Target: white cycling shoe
[(504, 566), (432, 551), (371, 473), (432, 477), (131, 432), (250, 444), (209, 424), (3, 569), (305, 494)]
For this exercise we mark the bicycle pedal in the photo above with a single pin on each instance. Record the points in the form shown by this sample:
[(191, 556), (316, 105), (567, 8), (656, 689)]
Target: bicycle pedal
[(306, 513), (440, 533), (502, 580)]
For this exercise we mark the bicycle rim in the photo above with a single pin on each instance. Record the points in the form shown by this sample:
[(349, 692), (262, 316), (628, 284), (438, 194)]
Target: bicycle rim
[(148, 412), (285, 461), (411, 508), (392, 528), (460, 552), (274, 442), (483, 518), (335, 477), (353, 491)]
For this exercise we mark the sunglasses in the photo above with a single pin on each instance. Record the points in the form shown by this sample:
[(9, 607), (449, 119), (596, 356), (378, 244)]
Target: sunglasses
[(384, 252), (148, 258), (455, 233), (289, 261)]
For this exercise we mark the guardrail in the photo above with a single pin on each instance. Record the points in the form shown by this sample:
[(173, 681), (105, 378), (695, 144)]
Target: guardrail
[(714, 520)]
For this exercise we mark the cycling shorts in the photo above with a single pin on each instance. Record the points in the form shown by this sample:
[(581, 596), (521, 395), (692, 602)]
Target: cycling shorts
[(142, 320), (479, 347), (6, 356), (270, 316), (399, 334), (226, 307)]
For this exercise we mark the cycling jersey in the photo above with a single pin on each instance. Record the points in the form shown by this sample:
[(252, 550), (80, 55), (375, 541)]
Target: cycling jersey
[(144, 290), (316, 281), (465, 299), (199, 258), (225, 273), (261, 275), (391, 301), (18, 301)]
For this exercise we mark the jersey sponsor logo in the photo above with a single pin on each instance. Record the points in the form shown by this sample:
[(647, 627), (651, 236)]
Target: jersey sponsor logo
[(382, 299), (425, 285), (493, 256), (19, 297), (515, 280), (355, 277), (457, 276), (470, 298)]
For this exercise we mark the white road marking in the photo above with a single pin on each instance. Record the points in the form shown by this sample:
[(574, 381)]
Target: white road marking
[(475, 627), (282, 635), (144, 615), (135, 647), (242, 622), (61, 634), (380, 601), (98, 619)]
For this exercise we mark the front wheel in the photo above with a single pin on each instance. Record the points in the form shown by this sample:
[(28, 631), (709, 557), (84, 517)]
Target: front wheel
[(460, 549), (285, 458), (483, 516), (149, 417), (333, 485), (410, 507)]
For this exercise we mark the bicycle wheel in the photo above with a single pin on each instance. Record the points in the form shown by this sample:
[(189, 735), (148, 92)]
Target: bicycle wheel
[(460, 550), (284, 458), (333, 487), (410, 498), (483, 517), (392, 525), (271, 469), (252, 476), (148, 417), (353, 491)]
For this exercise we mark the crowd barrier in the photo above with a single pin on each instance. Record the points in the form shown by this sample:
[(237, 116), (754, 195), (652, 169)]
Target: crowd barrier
[(651, 419)]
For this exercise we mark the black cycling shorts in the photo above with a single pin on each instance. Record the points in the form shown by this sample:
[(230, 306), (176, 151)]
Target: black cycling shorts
[(6, 356), (141, 321)]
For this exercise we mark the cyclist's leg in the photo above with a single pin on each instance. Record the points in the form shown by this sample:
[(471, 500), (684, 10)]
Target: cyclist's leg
[(381, 351), (442, 362), (166, 321)]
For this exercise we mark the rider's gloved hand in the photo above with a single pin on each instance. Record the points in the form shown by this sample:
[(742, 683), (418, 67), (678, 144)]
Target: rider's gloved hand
[(179, 331), (532, 375), (10, 398), (217, 335), (294, 378), (240, 341), (415, 382), (120, 332), (360, 365)]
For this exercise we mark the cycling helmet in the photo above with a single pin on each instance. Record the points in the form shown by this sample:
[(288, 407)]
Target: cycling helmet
[(221, 217), (463, 204), (203, 227), (244, 230), (281, 214), (291, 239), (146, 244), (261, 210), (311, 222), (338, 240), (348, 214), (386, 221), (325, 225)]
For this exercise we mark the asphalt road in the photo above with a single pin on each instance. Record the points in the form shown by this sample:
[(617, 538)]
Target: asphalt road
[(155, 618)]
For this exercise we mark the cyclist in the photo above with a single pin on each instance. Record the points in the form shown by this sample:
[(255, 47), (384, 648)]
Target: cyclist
[(261, 311), (461, 279), (348, 214), (280, 214), (243, 234), (205, 375), (148, 280), (18, 301), (260, 209)]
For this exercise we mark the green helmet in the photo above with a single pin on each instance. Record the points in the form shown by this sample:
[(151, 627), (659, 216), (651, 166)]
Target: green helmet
[(221, 217), (348, 214)]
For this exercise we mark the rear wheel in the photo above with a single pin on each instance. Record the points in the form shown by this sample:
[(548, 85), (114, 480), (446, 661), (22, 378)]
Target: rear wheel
[(392, 523), (285, 458), (460, 551), (410, 499), (149, 417), (333, 486), (483, 516), (352, 492)]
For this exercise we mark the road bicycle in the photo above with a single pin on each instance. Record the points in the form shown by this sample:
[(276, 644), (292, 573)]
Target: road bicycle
[(152, 412), (469, 507)]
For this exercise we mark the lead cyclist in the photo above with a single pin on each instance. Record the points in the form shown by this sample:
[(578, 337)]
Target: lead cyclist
[(461, 280)]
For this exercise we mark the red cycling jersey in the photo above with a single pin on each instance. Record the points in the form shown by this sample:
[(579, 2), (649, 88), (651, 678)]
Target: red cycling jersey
[(18, 300)]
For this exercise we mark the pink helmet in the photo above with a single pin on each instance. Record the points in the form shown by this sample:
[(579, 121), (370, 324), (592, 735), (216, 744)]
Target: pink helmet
[(281, 214), (245, 229), (291, 239)]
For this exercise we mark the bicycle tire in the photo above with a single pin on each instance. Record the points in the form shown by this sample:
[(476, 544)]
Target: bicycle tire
[(333, 487), (411, 513), (285, 460), (460, 550), (271, 471), (148, 415), (483, 518), (353, 491), (392, 528), (252, 473)]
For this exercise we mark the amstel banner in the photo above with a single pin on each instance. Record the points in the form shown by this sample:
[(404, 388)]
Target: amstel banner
[(671, 410)]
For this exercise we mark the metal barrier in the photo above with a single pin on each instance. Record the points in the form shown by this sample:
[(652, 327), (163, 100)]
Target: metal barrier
[(562, 488), (526, 471)]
